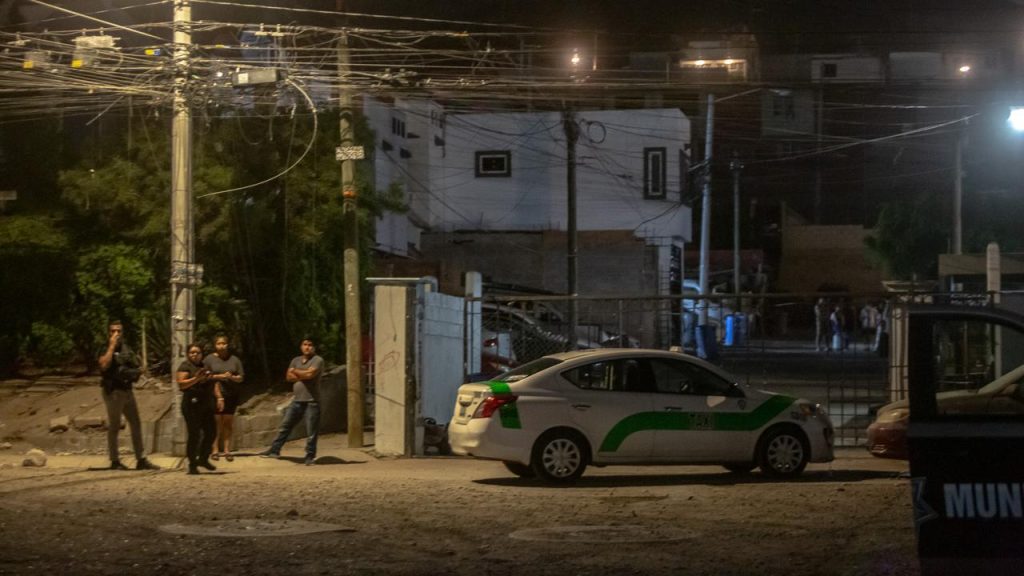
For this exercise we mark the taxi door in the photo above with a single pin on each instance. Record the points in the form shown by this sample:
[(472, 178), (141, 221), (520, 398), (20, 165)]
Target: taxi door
[(602, 406), (967, 469)]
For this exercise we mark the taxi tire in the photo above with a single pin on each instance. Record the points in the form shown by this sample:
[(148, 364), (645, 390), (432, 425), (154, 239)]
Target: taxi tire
[(519, 469), (784, 438), (563, 443)]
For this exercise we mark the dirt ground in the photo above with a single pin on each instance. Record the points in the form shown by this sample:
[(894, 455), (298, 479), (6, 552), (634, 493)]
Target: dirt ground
[(440, 515)]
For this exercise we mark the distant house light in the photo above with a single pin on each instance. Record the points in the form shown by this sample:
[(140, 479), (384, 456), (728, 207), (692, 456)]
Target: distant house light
[(700, 62), (965, 69)]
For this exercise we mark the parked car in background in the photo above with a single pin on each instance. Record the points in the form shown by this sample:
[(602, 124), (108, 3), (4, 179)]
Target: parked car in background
[(717, 310), (556, 415), (887, 435)]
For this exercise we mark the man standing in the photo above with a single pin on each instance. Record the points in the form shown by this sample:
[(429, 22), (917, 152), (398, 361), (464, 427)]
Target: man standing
[(118, 371), (304, 373)]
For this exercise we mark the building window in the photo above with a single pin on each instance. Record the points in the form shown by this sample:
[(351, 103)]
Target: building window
[(654, 172), (398, 127), (685, 178), (829, 69), (782, 106), (493, 163)]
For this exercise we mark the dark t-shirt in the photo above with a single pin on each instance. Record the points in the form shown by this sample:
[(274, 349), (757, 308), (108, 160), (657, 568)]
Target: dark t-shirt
[(123, 356), (196, 390)]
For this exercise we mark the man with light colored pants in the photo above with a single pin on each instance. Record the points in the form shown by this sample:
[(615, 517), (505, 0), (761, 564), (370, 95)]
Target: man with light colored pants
[(118, 371)]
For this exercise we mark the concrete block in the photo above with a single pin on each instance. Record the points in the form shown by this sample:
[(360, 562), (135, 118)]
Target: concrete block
[(83, 422), (60, 424)]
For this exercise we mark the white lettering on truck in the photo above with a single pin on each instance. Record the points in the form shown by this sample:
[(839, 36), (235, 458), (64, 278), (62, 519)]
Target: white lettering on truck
[(995, 500)]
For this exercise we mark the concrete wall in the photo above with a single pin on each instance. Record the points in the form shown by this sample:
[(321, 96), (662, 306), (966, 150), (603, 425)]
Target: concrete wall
[(817, 255), (391, 360)]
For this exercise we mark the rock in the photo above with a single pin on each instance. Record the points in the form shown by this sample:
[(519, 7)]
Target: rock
[(5, 446), (60, 424), (34, 457), (89, 422)]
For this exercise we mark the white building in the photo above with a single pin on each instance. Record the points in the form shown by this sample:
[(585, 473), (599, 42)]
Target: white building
[(498, 181), (507, 171)]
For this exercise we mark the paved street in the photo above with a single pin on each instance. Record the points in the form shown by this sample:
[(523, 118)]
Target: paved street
[(449, 515)]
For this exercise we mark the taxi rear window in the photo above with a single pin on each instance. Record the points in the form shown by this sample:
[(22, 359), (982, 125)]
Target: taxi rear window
[(528, 369)]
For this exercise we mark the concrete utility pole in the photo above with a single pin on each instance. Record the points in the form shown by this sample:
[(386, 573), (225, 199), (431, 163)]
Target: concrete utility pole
[(958, 190), (737, 167), (183, 269), (572, 134), (348, 154), (705, 217)]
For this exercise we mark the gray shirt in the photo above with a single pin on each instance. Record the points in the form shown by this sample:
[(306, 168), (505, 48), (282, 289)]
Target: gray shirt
[(218, 366), (307, 390)]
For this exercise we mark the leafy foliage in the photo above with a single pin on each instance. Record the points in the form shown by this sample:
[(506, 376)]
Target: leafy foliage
[(907, 240), (271, 244)]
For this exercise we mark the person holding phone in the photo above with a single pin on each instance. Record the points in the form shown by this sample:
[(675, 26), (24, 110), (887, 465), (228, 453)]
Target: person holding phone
[(118, 372), (200, 397)]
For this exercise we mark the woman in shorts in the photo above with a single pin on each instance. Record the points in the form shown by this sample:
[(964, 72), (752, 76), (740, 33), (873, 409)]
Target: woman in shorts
[(225, 369)]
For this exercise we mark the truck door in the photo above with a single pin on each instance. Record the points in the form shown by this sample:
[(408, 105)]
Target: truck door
[(966, 458)]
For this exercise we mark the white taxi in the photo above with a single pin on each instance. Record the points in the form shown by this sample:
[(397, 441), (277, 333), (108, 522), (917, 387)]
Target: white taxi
[(556, 415)]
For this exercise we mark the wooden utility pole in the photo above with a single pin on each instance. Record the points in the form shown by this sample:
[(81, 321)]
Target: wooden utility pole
[(348, 153)]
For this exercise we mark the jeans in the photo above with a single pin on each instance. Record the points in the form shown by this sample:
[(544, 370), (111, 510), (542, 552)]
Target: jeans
[(292, 416), (122, 402)]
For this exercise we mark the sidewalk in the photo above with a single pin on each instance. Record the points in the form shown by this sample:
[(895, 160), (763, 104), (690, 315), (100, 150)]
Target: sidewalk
[(331, 449)]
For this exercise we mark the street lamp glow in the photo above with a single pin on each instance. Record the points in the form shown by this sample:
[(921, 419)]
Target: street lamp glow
[(700, 62), (575, 58), (1016, 118), (965, 69)]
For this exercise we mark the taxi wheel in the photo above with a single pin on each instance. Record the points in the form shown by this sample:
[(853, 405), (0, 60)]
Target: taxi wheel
[(521, 470), (560, 456), (784, 452)]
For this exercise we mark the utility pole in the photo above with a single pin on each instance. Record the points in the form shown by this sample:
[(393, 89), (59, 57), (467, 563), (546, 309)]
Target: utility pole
[(183, 270), (705, 217), (958, 190), (348, 153), (736, 166), (572, 134)]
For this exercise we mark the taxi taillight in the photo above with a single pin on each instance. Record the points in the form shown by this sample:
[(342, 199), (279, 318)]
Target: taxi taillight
[(491, 404)]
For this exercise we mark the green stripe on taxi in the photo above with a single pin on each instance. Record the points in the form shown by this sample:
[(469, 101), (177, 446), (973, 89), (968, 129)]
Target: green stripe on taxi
[(712, 421)]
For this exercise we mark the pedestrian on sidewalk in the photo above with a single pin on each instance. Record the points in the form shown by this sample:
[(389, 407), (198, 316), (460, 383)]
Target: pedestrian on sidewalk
[(304, 373), (226, 370), (821, 323), (200, 397), (119, 369)]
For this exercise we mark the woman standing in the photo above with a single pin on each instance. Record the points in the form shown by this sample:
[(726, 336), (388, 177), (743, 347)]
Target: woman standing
[(200, 397), (226, 370)]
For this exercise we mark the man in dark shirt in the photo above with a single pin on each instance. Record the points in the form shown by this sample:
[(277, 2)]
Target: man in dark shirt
[(304, 373), (118, 371)]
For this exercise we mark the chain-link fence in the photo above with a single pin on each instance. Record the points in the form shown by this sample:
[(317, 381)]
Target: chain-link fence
[(840, 350)]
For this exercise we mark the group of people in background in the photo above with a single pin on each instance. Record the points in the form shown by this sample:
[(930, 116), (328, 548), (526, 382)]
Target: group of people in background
[(837, 324), (211, 388)]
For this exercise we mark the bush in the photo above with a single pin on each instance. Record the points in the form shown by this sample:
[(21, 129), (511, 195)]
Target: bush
[(49, 346)]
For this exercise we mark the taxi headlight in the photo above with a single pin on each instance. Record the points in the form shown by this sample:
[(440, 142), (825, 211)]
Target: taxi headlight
[(809, 409)]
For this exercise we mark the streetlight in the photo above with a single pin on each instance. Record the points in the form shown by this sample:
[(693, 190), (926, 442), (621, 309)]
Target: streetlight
[(1016, 118)]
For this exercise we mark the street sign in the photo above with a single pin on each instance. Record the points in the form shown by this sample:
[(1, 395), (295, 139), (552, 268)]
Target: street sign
[(349, 153)]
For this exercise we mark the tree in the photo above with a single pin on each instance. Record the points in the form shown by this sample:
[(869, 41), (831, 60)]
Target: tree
[(908, 238)]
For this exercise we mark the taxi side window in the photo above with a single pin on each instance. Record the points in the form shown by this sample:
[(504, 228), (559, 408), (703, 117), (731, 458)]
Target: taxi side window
[(596, 376), (676, 377)]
